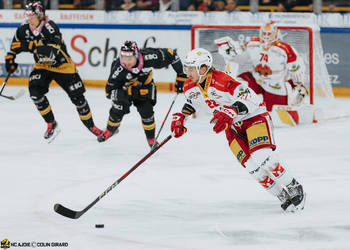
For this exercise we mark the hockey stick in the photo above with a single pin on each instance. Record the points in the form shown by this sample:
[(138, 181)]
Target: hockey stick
[(64, 211), (18, 95), (166, 117)]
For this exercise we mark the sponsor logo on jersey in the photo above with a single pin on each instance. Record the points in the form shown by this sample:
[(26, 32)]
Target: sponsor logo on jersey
[(214, 94), (194, 95), (261, 140), (150, 57), (35, 77), (241, 155), (128, 76), (75, 86), (117, 71)]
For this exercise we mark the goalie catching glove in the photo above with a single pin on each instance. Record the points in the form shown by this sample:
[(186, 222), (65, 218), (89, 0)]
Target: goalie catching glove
[(224, 118), (177, 125), (228, 48)]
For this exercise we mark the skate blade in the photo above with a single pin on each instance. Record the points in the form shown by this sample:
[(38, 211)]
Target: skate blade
[(55, 133)]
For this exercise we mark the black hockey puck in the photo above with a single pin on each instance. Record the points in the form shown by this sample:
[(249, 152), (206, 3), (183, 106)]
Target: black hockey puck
[(99, 225)]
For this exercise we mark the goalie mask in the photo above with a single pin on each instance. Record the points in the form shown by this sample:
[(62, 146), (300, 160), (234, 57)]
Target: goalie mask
[(35, 8), (268, 33), (197, 58)]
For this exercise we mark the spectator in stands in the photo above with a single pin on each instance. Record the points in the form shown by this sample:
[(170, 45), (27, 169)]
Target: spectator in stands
[(231, 5), (83, 4), (128, 5), (201, 5), (219, 5), (184, 4), (287, 5), (113, 4), (146, 4), (242, 2), (163, 5)]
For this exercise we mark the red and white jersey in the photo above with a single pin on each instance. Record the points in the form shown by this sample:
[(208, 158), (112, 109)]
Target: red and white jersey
[(220, 89), (272, 67)]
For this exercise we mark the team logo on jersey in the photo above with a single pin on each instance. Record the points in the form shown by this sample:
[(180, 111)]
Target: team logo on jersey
[(263, 70)]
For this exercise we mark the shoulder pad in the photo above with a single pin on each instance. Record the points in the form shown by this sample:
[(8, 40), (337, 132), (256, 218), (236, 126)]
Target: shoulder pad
[(291, 55)]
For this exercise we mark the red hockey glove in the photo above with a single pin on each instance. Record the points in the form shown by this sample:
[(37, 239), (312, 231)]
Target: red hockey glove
[(224, 118), (177, 125)]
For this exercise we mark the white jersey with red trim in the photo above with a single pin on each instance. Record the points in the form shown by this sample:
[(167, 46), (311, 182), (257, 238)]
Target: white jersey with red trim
[(272, 67), (220, 89)]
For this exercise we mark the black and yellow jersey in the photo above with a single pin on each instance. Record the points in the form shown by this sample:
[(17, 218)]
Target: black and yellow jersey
[(148, 58), (47, 46)]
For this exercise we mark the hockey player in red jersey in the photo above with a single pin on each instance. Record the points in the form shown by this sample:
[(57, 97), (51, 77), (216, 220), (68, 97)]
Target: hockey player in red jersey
[(236, 109), (278, 71)]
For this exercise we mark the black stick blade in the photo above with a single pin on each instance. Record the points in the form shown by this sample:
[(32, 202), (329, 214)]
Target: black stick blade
[(66, 212)]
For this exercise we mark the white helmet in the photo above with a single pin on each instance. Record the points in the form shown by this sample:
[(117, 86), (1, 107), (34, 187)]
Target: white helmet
[(269, 33), (197, 58)]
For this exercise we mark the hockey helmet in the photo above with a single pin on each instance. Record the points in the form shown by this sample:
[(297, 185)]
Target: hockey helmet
[(198, 58), (269, 33), (35, 8), (129, 48)]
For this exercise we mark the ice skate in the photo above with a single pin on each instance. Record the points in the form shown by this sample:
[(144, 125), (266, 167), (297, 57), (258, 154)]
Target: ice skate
[(52, 131), (95, 130), (105, 135), (292, 197), (151, 142)]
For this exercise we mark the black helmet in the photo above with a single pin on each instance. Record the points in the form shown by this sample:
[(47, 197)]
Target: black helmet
[(35, 7), (129, 48)]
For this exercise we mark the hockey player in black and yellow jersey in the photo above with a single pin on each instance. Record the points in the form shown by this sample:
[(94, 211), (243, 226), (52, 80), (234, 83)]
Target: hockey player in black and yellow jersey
[(41, 37), (131, 82)]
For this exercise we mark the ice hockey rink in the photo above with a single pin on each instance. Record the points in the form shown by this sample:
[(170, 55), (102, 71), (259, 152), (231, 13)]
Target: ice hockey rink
[(190, 195)]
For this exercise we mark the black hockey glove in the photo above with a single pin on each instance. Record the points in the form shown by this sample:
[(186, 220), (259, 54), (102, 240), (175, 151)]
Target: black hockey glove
[(179, 84), (11, 66)]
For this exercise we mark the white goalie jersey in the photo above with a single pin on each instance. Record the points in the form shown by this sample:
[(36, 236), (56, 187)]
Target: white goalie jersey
[(271, 67)]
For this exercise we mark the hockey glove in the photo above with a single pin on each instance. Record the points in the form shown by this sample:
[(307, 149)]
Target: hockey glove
[(11, 66), (301, 93), (228, 48), (179, 84), (224, 118), (177, 125)]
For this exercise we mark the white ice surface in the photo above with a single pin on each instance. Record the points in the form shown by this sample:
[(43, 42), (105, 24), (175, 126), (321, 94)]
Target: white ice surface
[(192, 194)]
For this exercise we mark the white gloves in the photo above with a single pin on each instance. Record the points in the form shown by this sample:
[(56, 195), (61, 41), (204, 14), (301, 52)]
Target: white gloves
[(228, 48)]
